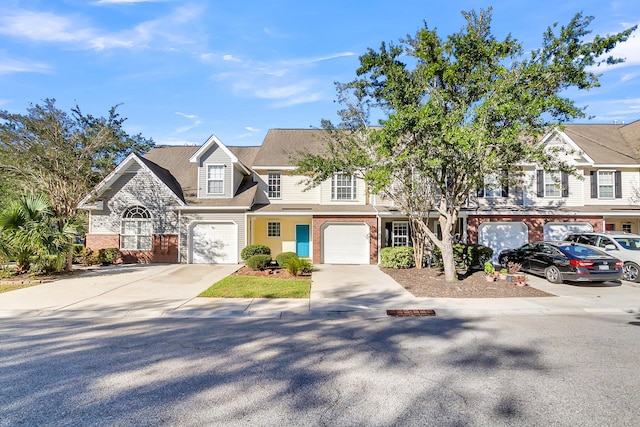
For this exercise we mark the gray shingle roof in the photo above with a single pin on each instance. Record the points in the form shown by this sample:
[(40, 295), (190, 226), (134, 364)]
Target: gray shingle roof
[(280, 144), (606, 143)]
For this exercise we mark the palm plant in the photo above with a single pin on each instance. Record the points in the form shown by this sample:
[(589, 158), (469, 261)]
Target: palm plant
[(31, 233)]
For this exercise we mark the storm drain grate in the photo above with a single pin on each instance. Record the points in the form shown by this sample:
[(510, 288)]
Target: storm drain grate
[(416, 312)]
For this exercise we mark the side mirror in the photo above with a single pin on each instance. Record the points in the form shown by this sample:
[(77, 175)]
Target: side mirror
[(610, 247)]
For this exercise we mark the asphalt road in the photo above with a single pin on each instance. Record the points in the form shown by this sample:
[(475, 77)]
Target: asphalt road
[(504, 370)]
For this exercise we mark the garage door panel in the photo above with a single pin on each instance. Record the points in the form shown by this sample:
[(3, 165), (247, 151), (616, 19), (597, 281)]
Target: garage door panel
[(502, 235), (346, 243), (214, 243), (558, 230)]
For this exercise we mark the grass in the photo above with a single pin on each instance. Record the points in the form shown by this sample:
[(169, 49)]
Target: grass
[(6, 287), (258, 287)]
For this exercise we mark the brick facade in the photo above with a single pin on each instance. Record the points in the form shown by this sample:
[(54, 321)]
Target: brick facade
[(535, 224), (320, 220), (164, 248)]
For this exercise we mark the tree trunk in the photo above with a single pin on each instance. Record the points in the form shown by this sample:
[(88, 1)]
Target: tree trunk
[(446, 247), (419, 241)]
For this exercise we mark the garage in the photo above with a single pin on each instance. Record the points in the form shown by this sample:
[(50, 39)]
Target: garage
[(214, 243), (502, 235), (345, 243), (557, 230)]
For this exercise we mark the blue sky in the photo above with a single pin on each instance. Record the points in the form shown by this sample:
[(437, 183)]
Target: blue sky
[(184, 70)]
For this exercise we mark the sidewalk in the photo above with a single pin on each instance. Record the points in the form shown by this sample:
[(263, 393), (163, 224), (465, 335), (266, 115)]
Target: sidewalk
[(337, 291)]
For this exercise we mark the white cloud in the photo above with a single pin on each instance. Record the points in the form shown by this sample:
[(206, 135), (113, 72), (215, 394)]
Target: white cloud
[(188, 116), (195, 122), (176, 28), (252, 129), (10, 65)]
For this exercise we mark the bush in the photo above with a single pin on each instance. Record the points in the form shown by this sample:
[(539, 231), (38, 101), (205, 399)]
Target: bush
[(259, 262), (297, 266), (252, 250), (282, 258), (108, 255), (77, 252), (466, 256), (397, 257), (89, 257)]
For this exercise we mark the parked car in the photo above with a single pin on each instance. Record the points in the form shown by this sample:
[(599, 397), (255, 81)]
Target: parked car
[(564, 261), (624, 246)]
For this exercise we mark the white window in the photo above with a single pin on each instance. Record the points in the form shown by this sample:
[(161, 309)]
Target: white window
[(215, 179), (273, 229), (552, 184), (273, 181), (606, 182), (492, 186), (136, 229), (343, 187), (400, 233)]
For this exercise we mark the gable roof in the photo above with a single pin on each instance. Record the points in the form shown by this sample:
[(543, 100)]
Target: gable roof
[(213, 140), (161, 175), (177, 159)]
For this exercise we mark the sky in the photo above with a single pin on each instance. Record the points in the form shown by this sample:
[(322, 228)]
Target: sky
[(181, 71)]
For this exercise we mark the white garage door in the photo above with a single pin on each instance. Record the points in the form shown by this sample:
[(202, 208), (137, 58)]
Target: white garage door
[(502, 235), (214, 243), (346, 243), (557, 230)]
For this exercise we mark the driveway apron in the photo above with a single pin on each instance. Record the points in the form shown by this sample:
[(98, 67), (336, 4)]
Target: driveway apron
[(118, 289)]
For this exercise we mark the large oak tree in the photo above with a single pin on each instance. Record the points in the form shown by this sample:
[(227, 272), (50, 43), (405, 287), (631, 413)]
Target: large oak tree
[(63, 155), (455, 110)]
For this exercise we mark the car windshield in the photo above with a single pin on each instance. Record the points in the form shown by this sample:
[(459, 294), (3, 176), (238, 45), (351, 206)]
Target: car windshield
[(581, 251), (632, 243)]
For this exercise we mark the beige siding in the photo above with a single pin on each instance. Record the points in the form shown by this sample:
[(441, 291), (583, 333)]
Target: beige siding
[(138, 188), (325, 194), (291, 190), (630, 185)]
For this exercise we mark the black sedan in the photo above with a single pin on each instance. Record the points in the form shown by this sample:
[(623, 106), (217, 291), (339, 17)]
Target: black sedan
[(560, 261)]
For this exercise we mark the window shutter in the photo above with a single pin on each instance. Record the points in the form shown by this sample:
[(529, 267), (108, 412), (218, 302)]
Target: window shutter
[(505, 183), (540, 183), (564, 180), (594, 184), (618, 184)]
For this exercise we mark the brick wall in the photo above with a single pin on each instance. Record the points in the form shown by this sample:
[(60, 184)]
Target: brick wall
[(319, 221), (535, 224), (164, 248)]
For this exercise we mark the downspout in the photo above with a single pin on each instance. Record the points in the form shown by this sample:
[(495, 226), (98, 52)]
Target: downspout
[(379, 238), (179, 236)]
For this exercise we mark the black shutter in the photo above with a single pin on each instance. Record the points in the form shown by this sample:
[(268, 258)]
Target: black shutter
[(618, 184), (540, 183), (594, 184), (564, 180), (505, 183)]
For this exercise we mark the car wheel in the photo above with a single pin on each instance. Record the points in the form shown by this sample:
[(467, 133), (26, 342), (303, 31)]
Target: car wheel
[(553, 275), (631, 272)]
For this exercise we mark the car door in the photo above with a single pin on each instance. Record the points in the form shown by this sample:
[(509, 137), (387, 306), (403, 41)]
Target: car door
[(540, 258)]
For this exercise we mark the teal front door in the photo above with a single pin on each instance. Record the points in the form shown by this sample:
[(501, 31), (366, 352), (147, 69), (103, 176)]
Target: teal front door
[(302, 240)]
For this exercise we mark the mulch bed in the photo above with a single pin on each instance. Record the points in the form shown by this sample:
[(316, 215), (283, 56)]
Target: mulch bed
[(429, 282), (276, 273)]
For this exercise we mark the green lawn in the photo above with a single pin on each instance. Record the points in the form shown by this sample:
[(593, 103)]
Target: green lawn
[(6, 287), (258, 287)]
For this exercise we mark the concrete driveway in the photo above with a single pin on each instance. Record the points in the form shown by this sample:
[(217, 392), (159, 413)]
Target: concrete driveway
[(147, 290)]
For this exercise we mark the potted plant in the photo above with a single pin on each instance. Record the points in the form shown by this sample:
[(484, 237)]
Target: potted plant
[(512, 269), (503, 274), (489, 269)]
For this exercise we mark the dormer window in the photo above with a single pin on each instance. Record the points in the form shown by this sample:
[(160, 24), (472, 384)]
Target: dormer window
[(215, 179), (343, 187)]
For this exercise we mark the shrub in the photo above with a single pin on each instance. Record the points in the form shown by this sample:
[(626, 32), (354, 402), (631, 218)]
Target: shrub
[(466, 256), (258, 262), (252, 250), (282, 258), (397, 257), (77, 252), (297, 265), (108, 255), (89, 257)]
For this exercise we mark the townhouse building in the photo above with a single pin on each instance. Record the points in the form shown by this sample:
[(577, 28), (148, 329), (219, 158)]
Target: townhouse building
[(204, 204)]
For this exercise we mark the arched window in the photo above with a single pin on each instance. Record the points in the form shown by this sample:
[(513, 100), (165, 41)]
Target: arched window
[(136, 229)]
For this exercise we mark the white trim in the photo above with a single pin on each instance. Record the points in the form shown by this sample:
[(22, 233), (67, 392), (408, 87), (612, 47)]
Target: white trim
[(117, 173), (192, 225), (214, 140), (206, 178)]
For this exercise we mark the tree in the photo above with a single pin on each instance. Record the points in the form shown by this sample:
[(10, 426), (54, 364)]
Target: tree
[(455, 110), (63, 155)]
